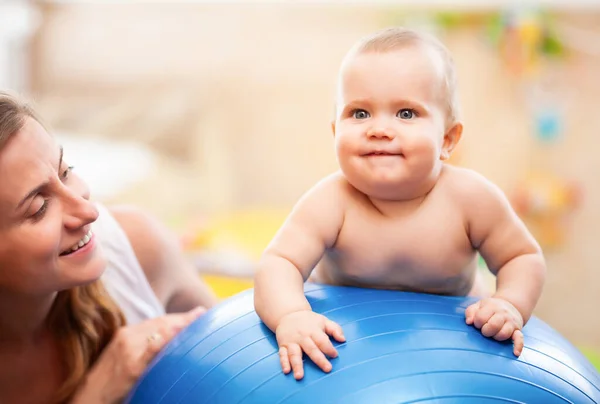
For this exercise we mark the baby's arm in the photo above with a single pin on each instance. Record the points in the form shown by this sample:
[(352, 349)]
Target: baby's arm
[(311, 227), (279, 300), (510, 252)]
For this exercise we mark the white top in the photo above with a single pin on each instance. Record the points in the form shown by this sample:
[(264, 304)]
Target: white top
[(124, 278)]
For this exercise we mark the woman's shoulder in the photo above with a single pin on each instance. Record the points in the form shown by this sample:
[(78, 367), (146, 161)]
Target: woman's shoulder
[(147, 236), (159, 252), (128, 277)]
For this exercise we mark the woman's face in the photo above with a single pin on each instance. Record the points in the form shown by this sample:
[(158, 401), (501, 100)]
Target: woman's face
[(46, 244)]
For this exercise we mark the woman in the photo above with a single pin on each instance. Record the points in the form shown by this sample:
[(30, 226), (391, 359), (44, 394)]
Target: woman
[(83, 289)]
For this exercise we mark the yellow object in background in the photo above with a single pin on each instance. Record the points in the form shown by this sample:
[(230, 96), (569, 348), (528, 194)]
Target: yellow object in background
[(233, 242), (227, 286), (545, 202), (248, 232)]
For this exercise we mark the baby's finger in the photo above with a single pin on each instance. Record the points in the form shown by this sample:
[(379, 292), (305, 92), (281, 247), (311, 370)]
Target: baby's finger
[(485, 312), (518, 342), (470, 312), (324, 343), (493, 325), (505, 332), (335, 330), (295, 357), (315, 354), (284, 360)]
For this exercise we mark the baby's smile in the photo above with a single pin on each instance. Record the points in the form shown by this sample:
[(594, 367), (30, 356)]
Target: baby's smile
[(383, 154), (383, 157)]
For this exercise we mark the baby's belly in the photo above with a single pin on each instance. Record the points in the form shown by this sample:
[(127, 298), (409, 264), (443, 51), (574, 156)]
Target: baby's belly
[(455, 277)]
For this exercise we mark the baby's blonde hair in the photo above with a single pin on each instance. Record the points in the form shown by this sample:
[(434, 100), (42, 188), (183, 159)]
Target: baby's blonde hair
[(395, 38)]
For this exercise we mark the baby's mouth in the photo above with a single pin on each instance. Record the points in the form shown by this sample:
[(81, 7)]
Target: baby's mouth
[(382, 153), (81, 243)]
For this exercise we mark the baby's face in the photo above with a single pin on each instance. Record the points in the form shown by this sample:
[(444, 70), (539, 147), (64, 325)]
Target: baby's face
[(389, 126)]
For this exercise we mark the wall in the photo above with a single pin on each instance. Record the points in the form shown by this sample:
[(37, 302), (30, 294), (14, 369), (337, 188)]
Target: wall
[(238, 100)]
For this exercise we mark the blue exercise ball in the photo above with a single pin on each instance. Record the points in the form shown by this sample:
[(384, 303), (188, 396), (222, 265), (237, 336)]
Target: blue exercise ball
[(401, 348)]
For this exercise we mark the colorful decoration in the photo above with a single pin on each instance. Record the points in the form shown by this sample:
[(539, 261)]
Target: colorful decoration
[(545, 203), (527, 46), (548, 123), (524, 38)]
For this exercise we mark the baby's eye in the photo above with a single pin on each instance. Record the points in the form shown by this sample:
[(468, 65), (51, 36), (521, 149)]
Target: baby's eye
[(406, 113), (360, 114)]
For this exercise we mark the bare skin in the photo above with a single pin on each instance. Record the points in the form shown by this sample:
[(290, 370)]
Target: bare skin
[(403, 240), (33, 269), (396, 216)]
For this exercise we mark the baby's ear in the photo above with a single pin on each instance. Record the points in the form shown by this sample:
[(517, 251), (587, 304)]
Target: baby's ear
[(451, 139)]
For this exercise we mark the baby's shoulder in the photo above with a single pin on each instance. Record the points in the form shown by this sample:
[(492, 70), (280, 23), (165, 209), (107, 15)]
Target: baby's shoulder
[(332, 190), (464, 181), (334, 184), (470, 187)]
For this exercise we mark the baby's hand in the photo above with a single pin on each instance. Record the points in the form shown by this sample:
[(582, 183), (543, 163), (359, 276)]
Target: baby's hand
[(499, 319), (309, 332)]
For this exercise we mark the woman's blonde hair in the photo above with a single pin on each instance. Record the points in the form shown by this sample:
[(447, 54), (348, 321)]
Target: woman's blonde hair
[(83, 319)]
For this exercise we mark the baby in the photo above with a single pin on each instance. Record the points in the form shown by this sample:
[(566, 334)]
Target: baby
[(396, 215)]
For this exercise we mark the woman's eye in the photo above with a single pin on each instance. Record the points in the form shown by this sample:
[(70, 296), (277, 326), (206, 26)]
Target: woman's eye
[(41, 210), (65, 174), (360, 114), (406, 114)]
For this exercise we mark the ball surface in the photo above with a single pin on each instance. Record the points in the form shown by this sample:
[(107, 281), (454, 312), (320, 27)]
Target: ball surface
[(400, 348)]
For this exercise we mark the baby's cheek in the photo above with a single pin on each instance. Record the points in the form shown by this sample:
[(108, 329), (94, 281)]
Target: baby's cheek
[(345, 146), (423, 150)]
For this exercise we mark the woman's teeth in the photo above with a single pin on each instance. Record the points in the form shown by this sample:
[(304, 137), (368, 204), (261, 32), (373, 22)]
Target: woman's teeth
[(86, 239)]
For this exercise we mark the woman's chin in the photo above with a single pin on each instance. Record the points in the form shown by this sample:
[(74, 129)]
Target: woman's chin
[(80, 275)]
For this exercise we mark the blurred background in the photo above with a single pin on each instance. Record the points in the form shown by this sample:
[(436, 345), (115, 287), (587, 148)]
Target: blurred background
[(216, 116)]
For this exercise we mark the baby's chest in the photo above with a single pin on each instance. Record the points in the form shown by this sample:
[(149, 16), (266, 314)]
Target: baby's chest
[(421, 242)]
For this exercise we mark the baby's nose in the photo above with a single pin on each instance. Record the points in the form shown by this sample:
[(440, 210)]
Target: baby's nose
[(380, 132)]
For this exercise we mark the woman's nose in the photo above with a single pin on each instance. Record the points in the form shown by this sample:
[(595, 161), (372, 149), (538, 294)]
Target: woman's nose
[(78, 209)]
